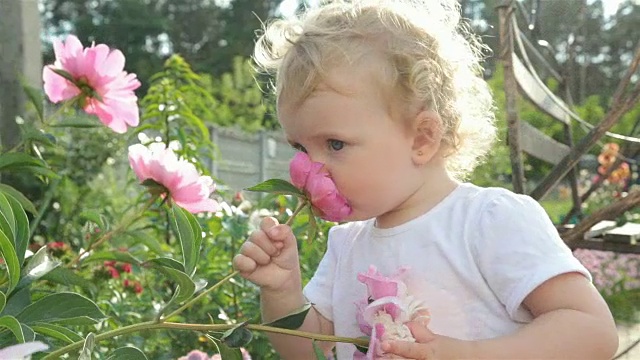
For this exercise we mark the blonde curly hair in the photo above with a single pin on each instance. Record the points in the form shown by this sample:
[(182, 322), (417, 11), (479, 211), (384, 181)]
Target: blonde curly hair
[(431, 56)]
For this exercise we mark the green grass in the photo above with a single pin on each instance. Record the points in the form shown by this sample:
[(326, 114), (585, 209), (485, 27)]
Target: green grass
[(556, 208)]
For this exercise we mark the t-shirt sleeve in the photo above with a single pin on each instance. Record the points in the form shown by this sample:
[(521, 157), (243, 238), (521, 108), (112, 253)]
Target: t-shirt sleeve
[(319, 290), (518, 249)]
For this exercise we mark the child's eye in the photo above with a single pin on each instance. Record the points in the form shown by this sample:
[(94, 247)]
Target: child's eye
[(299, 148), (335, 145)]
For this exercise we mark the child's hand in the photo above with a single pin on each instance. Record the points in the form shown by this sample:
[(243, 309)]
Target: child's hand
[(269, 258), (428, 346)]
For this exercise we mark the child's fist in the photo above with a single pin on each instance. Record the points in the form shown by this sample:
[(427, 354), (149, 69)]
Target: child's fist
[(269, 258)]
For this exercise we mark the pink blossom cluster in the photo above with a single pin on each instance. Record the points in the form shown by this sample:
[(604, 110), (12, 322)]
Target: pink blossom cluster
[(610, 269)]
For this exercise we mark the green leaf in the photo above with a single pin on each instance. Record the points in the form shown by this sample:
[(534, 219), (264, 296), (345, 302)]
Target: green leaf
[(35, 135), (293, 320), (36, 98), (87, 349), (112, 255), (38, 170), (229, 353), (39, 265), (319, 354), (10, 260), (63, 308), (3, 301), (14, 326), (11, 160), (127, 352), (63, 73), (142, 237), (17, 302), (94, 217), (186, 286), (26, 203), (190, 236), (7, 219), (79, 123), (167, 262), (64, 276), (21, 236), (237, 336), (56, 332), (277, 186)]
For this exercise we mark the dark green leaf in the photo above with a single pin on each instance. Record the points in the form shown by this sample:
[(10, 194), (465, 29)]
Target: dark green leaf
[(229, 353), (237, 336), (65, 307), (10, 260), (128, 353), (36, 98), (112, 255), (64, 276), (87, 349), (190, 236), (9, 161), (80, 123), (26, 203), (319, 354), (57, 332), (17, 302), (276, 186), (63, 73), (39, 265), (168, 262), (3, 301), (7, 219), (186, 286), (21, 236), (293, 320), (37, 136), (11, 323)]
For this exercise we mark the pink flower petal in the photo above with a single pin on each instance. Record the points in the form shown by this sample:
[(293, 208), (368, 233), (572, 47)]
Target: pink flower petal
[(187, 188), (299, 169), (102, 70)]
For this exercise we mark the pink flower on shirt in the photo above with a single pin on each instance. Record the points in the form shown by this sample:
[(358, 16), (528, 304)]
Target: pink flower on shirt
[(386, 310)]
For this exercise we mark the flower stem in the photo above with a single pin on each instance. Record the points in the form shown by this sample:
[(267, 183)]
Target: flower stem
[(301, 206), (154, 325), (200, 296), (108, 235)]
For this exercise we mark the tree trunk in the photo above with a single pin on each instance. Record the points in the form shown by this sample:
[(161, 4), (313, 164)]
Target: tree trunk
[(11, 66)]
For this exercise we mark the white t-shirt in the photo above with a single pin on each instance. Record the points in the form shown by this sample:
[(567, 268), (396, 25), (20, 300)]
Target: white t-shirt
[(473, 258)]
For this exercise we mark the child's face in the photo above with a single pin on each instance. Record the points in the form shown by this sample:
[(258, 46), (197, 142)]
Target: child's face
[(367, 152)]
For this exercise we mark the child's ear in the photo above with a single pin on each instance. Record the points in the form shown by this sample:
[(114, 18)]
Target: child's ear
[(427, 130)]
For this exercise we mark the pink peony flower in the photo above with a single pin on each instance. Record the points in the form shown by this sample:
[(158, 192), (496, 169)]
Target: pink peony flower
[(308, 176), (179, 177), (22, 351), (99, 82)]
